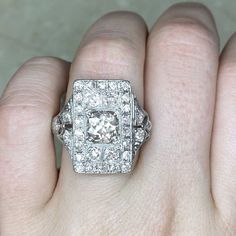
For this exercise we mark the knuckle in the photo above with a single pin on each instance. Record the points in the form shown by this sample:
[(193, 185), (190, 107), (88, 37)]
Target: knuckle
[(193, 6), (34, 84), (106, 55), (30, 97), (187, 35), (110, 47), (43, 60), (43, 67), (124, 14)]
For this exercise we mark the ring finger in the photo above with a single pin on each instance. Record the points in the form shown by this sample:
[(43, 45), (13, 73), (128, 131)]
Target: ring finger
[(113, 48)]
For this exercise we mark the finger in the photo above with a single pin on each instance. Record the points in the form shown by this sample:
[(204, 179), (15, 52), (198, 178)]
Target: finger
[(27, 157), (113, 48), (181, 69), (224, 136)]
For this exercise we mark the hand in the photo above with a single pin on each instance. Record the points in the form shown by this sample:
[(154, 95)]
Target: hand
[(185, 180)]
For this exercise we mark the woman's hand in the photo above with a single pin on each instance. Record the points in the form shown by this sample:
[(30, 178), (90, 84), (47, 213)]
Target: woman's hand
[(185, 180)]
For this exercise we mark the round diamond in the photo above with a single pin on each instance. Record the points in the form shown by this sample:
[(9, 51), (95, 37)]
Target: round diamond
[(67, 138), (140, 135), (95, 101), (126, 119), (126, 131), (139, 116), (57, 126), (113, 85), (111, 98), (78, 86), (79, 121), (78, 167), (79, 157), (111, 154), (79, 134), (94, 153), (66, 117), (126, 167), (126, 108), (90, 84), (102, 127), (127, 143), (97, 167), (125, 97), (92, 99), (125, 85), (101, 85), (126, 156), (113, 168), (78, 109), (89, 167), (78, 97), (78, 143)]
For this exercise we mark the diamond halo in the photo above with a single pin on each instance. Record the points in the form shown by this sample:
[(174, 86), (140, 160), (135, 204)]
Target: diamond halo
[(102, 126)]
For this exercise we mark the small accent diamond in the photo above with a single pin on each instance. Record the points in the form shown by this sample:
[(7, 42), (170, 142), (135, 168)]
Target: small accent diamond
[(78, 97), (88, 167), (97, 167), (127, 143), (78, 86), (126, 131), (78, 167), (94, 153), (79, 109), (58, 126), (126, 108), (113, 168), (92, 99), (79, 121), (126, 167), (66, 117), (79, 157), (126, 156), (126, 119), (90, 84), (125, 97), (113, 85), (79, 134), (78, 143), (139, 135), (101, 85), (111, 98), (67, 138), (111, 154), (125, 85)]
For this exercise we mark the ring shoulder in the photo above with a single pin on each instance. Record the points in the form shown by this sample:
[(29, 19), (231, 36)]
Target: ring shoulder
[(142, 126), (62, 125)]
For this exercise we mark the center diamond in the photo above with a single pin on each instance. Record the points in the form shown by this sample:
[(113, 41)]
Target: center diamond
[(103, 127)]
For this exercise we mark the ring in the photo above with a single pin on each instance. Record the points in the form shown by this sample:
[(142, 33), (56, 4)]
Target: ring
[(102, 126)]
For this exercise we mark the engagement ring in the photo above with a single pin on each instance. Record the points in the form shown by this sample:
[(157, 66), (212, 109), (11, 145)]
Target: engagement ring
[(102, 126)]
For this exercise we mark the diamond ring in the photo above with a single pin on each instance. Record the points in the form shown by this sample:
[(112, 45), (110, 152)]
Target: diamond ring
[(102, 126)]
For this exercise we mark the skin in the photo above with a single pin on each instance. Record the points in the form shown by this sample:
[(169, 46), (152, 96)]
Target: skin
[(185, 180)]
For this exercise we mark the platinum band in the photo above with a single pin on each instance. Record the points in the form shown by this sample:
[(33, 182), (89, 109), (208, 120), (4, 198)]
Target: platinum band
[(102, 126)]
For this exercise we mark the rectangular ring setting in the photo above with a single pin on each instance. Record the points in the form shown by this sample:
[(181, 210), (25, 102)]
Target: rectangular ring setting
[(102, 114)]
